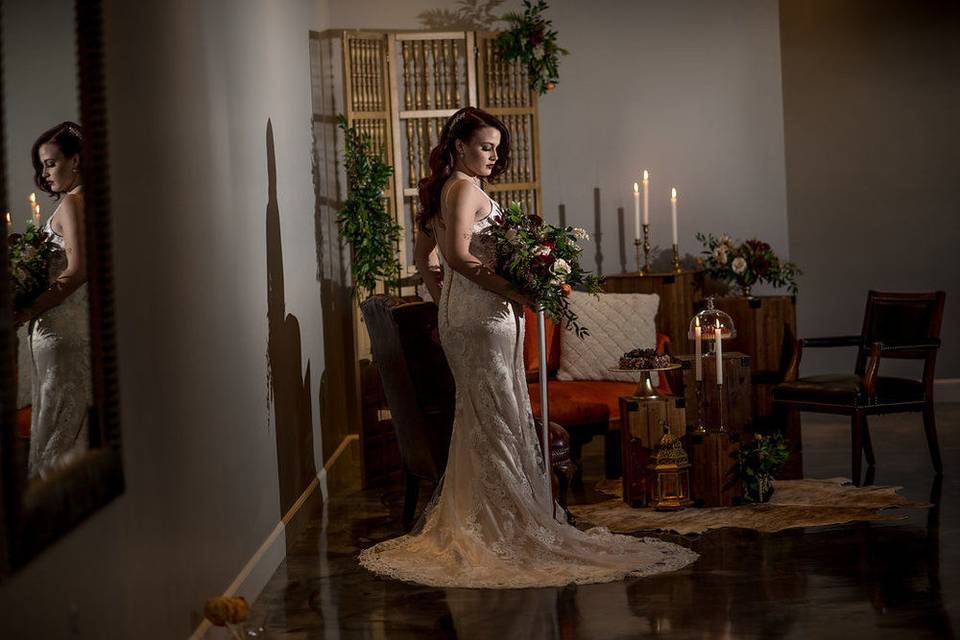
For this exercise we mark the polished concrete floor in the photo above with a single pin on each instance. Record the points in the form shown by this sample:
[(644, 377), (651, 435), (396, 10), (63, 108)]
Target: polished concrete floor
[(876, 580)]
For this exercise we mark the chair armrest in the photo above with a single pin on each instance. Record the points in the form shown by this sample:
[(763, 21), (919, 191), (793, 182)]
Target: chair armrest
[(832, 341), (927, 344)]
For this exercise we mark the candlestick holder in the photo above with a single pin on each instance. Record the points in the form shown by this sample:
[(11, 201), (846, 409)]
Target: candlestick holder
[(637, 243), (720, 428), (646, 250), (700, 409), (676, 259)]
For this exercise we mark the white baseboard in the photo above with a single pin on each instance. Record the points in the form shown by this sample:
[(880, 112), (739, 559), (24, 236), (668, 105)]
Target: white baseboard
[(946, 390), (255, 574)]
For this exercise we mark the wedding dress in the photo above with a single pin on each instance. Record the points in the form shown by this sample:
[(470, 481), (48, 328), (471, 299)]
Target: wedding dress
[(491, 524), (62, 384)]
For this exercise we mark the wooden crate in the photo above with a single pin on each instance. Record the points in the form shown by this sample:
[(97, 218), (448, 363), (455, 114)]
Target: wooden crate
[(641, 422), (737, 416), (714, 481), (678, 294), (766, 329)]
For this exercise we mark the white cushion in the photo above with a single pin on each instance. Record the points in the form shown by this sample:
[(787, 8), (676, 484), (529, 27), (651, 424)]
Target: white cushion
[(618, 322)]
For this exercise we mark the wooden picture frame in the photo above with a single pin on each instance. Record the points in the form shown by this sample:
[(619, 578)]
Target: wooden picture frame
[(36, 514)]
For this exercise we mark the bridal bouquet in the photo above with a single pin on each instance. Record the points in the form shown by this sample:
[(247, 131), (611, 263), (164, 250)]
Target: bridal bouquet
[(543, 261), (31, 253), (746, 263)]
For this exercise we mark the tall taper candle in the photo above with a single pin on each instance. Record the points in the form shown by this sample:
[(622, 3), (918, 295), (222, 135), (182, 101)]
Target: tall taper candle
[(636, 210), (697, 332), (673, 213), (646, 197), (719, 355)]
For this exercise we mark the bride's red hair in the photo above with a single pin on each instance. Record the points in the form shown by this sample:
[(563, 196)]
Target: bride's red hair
[(461, 126)]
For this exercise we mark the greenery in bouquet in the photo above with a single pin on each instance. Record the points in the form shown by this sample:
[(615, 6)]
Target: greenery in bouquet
[(364, 221), (746, 263), (532, 40), (31, 253), (759, 461), (543, 261)]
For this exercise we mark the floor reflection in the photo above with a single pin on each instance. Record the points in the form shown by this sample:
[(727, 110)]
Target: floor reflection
[(890, 579)]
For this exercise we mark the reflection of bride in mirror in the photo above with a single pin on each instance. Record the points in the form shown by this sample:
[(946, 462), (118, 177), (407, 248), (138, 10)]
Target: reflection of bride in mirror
[(58, 327)]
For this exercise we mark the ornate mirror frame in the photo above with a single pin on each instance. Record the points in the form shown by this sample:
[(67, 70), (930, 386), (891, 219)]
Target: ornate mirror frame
[(35, 515)]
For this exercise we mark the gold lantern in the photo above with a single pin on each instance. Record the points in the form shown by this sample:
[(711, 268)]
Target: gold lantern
[(668, 476)]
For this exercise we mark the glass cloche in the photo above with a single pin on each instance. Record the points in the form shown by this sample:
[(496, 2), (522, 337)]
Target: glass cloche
[(708, 320)]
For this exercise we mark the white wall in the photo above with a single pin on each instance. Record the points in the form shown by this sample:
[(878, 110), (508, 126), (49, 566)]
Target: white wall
[(688, 90), (190, 89), (40, 90)]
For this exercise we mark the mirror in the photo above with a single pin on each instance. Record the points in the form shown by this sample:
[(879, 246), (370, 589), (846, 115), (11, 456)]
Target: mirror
[(59, 451)]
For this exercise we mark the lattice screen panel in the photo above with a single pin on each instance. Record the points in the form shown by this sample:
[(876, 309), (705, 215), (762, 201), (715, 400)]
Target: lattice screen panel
[(400, 88)]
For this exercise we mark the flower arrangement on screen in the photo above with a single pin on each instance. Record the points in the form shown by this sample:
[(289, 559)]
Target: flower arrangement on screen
[(532, 40), (746, 263), (31, 253), (543, 261)]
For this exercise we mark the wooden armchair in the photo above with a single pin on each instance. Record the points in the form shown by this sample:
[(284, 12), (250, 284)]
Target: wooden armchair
[(903, 326)]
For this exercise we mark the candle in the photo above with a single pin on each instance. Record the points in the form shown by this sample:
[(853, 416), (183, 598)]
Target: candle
[(646, 197), (9, 222), (636, 210), (719, 355), (673, 213), (697, 335), (35, 209)]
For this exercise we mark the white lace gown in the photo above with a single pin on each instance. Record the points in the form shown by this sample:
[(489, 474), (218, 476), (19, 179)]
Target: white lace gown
[(492, 524), (62, 389)]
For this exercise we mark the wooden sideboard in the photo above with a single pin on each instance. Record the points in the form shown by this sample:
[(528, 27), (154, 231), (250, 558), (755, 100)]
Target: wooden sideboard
[(679, 292)]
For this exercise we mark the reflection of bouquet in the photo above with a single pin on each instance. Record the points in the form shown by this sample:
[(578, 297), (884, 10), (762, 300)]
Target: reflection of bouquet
[(746, 263), (31, 253), (759, 462), (543, 262)]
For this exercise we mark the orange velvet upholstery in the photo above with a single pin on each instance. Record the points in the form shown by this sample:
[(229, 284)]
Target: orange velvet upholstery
[(531, 354), (578, 402)]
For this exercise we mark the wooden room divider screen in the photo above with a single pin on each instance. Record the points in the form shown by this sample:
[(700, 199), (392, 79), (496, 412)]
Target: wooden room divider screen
[(400, 88)]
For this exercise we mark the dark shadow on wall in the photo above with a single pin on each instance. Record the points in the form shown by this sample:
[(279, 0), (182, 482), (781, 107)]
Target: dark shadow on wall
[(289, 393), (339, 402)]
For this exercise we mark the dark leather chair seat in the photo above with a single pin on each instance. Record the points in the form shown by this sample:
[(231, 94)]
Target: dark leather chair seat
[(848, 390)]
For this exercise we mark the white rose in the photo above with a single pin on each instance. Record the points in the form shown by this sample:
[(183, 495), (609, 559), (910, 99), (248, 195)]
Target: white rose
[(580, 234), (720, 254), (511, 235), (541, 250), (560, 269), (739, 265)]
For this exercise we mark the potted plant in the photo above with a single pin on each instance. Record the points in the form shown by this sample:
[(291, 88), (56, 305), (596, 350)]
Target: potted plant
[(746, 263), (759, 461)]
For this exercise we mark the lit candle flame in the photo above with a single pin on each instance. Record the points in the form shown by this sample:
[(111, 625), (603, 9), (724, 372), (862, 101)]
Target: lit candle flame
[(645, 175), (636, 188), (673, 193), (33, 198)]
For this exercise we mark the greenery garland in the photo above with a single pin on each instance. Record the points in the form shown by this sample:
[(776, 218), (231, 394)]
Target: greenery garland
[(364, 220), (532, 40)]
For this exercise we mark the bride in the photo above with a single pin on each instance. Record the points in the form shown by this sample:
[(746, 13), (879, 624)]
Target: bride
[(58, 329), (491, 523)]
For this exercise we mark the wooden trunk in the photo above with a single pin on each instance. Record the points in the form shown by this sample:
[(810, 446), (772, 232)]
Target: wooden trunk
[(641, 422), (678, 294), (714, 478), (766, 329), (736, 393)]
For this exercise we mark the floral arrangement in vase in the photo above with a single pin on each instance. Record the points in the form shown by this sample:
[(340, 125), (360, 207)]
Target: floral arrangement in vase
[(532, 40), (746, 263), (31, 253), (543, 261), (759, 461)]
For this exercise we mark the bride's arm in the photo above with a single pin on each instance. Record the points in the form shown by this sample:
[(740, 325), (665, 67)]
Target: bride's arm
[(428, 263), (75, 274), (466, 202)]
